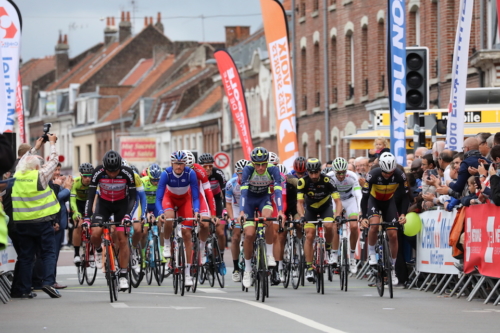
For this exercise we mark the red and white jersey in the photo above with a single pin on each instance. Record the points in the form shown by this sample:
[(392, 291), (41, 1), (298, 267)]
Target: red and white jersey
[(202, 176)]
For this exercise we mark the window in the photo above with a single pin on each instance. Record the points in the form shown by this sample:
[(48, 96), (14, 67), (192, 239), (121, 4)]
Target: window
[(89, 151), (81, 111), (349, 66), (333, 69), (77, 153), (303, 8), (364, 59), (381, 55), (317, 69), (104, 147), (91, 109), (99, 151), (305, 150), (315, 5), (303, 78)]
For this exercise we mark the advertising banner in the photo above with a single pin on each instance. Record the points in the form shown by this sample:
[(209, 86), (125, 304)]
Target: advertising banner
[(20, 110), (482, 239), (237, 101), (10, 48), (8, 258), (275, 29), (396, 67), (456, 107), (434, 253), (138, 149)]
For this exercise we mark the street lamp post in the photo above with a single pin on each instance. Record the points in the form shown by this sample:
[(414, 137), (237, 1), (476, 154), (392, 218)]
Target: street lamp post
[(121, 113)]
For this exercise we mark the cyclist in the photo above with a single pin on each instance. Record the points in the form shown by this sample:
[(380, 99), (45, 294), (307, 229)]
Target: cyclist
[(350, 194), (274, 159), (378, 201), (150, 183), (279, 238), (299, 167), (218, 184), (255, 182), (178, 187), (207, 202), (117, 196), (77, 199), (316, 191), (233, 196)]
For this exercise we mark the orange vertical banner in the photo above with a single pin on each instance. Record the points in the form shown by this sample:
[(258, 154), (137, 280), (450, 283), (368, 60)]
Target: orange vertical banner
[(276, 31)]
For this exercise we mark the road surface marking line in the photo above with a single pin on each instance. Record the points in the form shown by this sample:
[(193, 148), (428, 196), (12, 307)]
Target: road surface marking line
[(211, 291)]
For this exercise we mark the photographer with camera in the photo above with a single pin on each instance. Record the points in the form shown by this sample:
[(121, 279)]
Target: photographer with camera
[(494, 172), (35, 208)]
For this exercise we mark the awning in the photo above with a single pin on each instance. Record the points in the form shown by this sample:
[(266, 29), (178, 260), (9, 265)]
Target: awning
[(364, 140)]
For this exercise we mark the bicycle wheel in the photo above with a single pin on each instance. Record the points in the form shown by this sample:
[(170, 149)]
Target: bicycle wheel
[(262, 269), (380, 274), (91, 268), (195, 264), (345, 263), (109, 275), (388, 265), (263, 285), (157, 261), (296, 262), (302, 261), (210, 265), (181, 264), (219, 266), (202, 274), (257, 280), (148, 262), (136, 277)]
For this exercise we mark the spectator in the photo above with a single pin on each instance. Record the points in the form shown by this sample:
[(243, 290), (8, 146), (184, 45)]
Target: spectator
[(494, 171), (444, 161), (409, 159), (420, 152), (21, 150), (496, 139), (417, 171), (472, 198), (381, 145), (6, 153), (482, 139), (361, 169), (328, 164), (350, 167), (489, 142), (6, 164), (34, 218), (437, 148), (469, 164)]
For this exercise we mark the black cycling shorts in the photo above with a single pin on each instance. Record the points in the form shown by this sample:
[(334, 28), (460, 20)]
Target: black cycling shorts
[(325, 213), (386, 209), (104, 209)]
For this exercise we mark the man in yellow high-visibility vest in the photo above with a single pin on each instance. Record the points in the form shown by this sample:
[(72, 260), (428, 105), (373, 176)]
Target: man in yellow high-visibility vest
[(35, 207)]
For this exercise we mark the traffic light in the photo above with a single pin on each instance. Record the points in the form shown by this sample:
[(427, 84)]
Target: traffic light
[(417, 78)]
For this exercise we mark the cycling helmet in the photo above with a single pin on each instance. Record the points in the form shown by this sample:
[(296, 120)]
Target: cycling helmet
[(190, 158), (313, 165), (144, 172), (112, 161), (259, 155), (154, 171), (339, 164), (125, 163), (206, 158), (273, 158), (86, 168), (178, 157), (387, 162), (134, 169), (327, 170), (299, 165), (282, 168), (240, 165)]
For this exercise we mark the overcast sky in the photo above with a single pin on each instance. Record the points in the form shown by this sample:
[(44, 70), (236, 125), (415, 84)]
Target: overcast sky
[(84, 21)]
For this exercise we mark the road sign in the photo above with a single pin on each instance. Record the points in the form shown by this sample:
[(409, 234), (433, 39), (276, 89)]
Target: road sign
[(221, 160)]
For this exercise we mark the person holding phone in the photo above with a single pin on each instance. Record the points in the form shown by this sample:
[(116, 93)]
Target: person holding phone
[(494, 172), (429, 168)]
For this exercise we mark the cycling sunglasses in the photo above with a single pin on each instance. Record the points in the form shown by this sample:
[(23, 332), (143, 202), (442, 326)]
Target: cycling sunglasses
[(86, 175)]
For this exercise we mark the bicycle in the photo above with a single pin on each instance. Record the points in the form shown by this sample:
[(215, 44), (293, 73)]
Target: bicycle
[(153, 264), (344, 251), (384, 266), (109, 257), (260, 271), (214, 265), (241, 258), (196, 266), (319, 257), (293, 256), (87, 270)]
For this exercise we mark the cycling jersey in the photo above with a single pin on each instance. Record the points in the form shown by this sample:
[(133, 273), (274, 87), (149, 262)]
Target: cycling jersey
[(119, 190), (141, 201), (78, 197), (218, 184), (350, 192), (318, 194), (255, 185), (377, 189), (283, 195), (207, 202), (178, 191), (233, 195), (150, 190), (293, 173)]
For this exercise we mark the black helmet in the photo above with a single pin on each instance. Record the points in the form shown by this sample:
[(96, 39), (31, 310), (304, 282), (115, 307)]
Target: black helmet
[(313, 165), (112, 161), (206, 158), (86, 168), (134, 169)]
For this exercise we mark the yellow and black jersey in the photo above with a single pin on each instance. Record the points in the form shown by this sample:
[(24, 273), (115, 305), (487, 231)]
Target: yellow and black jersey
[(319, 194), (382, 188)]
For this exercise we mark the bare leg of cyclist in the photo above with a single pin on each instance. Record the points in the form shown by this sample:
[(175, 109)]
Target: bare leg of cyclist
[(221, 237), (136, 237), (96, 237), (203, 235), (188, 245), (167, 231), (124, 251), (269, 239), (372, 239), (332, 237), (235, 246), (393, 244), (77, 240), (353, 238)]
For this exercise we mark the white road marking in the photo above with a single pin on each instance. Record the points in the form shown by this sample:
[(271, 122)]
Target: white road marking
[(211, 291), (118, 305)]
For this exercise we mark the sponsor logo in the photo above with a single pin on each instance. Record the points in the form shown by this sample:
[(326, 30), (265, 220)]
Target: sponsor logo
[(8, 29)]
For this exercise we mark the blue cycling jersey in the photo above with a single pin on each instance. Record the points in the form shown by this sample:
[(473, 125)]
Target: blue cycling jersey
[(253, 184), (294, 173), (178, 185)]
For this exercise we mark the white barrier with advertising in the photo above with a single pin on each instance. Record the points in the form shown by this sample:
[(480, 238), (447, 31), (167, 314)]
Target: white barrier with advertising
[(8, 258), (433, 248)]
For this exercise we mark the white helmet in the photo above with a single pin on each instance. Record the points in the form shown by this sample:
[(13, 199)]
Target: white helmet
[(241, 164), (387, 162), (273, 158), (282, 169), (125, 163), (339, 164), (190, 158)]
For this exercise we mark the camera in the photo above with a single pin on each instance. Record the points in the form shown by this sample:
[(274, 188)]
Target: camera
[(46, 129)]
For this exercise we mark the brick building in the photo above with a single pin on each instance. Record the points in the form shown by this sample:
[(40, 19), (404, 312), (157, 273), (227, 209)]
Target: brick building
[(355, 45)]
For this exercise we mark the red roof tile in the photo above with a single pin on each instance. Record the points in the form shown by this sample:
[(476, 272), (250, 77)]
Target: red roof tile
[(179, 81), (206, 103), (35, 68), (133, 77)]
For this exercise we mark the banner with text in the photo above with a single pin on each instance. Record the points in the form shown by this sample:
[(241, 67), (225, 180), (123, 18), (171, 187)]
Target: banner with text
[(396, 67), (482, 240), (20, 110), (10, 46), (433, 248), (456, 107), (237, 101), (138, 149), (276, 31)]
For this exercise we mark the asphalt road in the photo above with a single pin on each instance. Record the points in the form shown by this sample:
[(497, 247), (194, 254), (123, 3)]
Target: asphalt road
[(156, 309)]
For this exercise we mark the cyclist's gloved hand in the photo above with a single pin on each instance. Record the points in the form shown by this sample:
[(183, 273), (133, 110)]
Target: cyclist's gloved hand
[(125, 218), (302, 220), (86, 222), (337, 219)]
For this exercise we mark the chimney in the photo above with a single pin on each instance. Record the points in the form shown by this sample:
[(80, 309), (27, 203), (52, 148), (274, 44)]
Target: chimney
[(151, 20), (145, 21), (158, 24), (109, 31), (236, 34), (125, 28), (62, 58)]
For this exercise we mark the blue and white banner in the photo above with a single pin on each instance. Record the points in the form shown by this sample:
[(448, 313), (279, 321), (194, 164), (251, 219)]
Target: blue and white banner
[(434, 253), (456, 108), (396, 66)]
